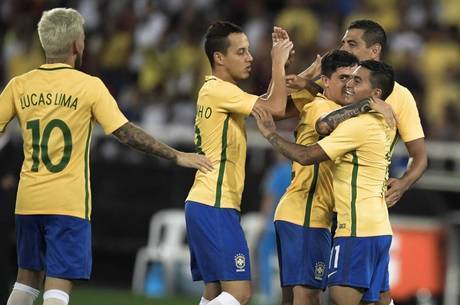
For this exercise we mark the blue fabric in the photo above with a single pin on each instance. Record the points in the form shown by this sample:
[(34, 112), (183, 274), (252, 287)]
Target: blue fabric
[(58, 244), (218, 248), (361, 262), (303, 254)]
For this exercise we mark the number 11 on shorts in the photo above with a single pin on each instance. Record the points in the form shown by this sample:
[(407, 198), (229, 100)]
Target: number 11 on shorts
[(334, 255)]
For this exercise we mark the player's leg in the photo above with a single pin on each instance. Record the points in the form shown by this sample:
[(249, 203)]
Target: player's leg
[(30, 251), (211, 291), (27, 287), (68, 256), (385, 299), (287, 296), (344, 295), (233, 293), (304, 295)]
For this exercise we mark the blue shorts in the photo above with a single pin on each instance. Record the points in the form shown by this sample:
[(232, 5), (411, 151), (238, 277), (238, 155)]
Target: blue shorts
[(57, 244), (303, 254), (218, 248), (361, 262)]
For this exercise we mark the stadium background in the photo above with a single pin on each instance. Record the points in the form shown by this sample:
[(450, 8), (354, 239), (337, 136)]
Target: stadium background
[(149, 54)]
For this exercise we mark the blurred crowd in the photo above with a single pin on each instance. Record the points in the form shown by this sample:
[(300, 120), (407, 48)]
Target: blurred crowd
[(149, 52)]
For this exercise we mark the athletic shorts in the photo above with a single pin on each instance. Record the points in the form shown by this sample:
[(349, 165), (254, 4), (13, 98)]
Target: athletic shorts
[(57, 244), (218, 248), (303, 254), (361, 262)]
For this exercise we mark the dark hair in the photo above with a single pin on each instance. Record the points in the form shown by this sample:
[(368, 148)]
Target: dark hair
[(216, 40), (381, 76), (373, 32), (335, 59)]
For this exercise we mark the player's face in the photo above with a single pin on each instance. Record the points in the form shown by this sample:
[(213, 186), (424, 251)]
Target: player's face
[(238, 60), (359, 86), (335, 85), (353, 43)]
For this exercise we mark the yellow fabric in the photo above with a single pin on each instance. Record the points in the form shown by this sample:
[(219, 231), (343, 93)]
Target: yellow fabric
[(221, 135), (361, 148), (56, 108), (406, 112), (308, 200)]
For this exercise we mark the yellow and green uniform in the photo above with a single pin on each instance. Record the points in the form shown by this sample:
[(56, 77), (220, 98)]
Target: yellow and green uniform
[(220, 134), (56, 107), (361, 148), (308, 200)]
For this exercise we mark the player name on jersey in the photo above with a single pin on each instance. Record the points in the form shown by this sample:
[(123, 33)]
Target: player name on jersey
[(48, 99)]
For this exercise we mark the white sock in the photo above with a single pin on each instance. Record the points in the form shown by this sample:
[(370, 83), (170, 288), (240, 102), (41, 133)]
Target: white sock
[(224, 298), (203, 301), (391, 302), (22, 295), (55, 297)]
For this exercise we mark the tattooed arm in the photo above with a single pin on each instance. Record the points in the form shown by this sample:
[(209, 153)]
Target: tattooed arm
[(135, 137), (325, 125), (304, 155)]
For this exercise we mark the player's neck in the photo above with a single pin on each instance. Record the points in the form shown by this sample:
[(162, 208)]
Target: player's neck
[(223, 75), (68, 61)]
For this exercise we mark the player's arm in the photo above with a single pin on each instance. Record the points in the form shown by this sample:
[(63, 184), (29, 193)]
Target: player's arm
[(397, 187), (304, 155), (306, 79), (325, 125), (135, 137)]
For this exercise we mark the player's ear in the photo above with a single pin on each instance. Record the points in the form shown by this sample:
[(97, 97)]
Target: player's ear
[(376, 49), (218, 58), (325, 81), (377, 92)]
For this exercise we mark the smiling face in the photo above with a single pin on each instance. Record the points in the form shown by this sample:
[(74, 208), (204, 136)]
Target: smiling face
[(335, 85), (237, 59), (354, 43), (359, 86)]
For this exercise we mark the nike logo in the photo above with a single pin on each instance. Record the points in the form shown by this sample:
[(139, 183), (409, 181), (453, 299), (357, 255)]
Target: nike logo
[(331, 274)]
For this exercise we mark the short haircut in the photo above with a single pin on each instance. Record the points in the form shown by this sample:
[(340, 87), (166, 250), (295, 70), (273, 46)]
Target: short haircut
[(373, 32), (58, 29), (336, 59), (216, 38), (381, 76)]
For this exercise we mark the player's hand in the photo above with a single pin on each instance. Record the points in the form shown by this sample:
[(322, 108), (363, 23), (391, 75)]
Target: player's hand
[(385, 109), (281, 51), (264, 121), (295, 82), (280, 34), (396, 188), (313, 70), (194, 160)]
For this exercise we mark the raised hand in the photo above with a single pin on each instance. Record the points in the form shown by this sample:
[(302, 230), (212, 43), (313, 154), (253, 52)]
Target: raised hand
[(385, 109), (279, 34), (264, 121), (296, 82), (313, 70), (193, 160), (281, 50)]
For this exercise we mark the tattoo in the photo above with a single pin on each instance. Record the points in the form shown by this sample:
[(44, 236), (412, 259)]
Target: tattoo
[(313, 88), (133, 136), (333, 119), (305, 155)]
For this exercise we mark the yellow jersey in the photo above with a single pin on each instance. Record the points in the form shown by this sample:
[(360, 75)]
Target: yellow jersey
[(56, 107), (308, 200), (361, 148), (220, 134)]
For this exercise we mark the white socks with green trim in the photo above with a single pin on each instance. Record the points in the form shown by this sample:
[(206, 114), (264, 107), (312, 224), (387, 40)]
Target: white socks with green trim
[(22, 295), (55, 297), (224, 298)]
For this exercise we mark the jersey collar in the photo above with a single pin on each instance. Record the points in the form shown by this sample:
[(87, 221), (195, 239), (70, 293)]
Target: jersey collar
[(56, 66)]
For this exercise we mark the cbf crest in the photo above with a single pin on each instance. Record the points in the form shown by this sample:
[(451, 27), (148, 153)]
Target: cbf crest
[(240, 262), (320, 269)]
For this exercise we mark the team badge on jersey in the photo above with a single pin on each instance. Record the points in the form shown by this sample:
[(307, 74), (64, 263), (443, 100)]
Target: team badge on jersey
[(240, 262), (320, 268)]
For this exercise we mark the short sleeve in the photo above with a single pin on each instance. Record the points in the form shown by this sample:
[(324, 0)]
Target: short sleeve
[(316, 110), (105, 110), (347, 137), (7, 109), (234, 100), (301, 98), (409, 126)]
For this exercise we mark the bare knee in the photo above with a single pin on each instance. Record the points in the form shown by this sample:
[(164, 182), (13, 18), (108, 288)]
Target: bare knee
[(240, 290), (385, 298), (30, 278)]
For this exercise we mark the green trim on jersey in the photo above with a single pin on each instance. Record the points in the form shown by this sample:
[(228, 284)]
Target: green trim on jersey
[(223, 159), (58, 68), (354, 184), (199, 150), (87, 173), (311, 194)]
